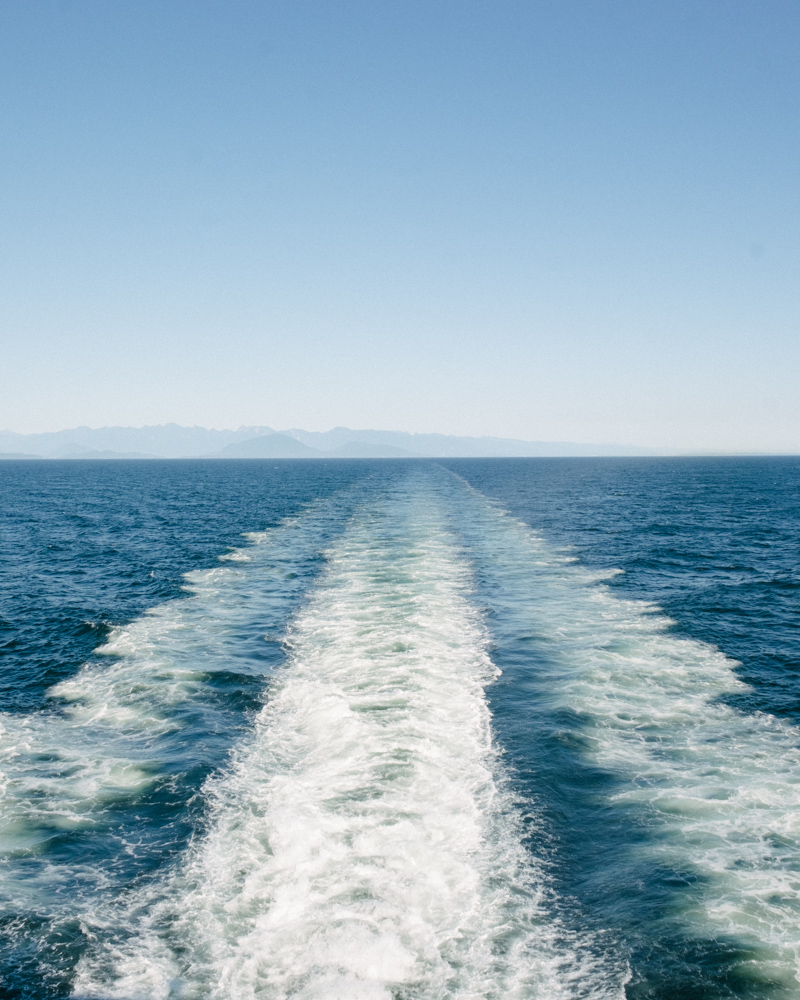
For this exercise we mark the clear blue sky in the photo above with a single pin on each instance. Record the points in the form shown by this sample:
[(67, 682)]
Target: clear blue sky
[(573, 220)]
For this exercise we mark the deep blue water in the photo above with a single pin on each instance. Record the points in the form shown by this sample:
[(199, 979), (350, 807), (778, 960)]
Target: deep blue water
[(716, 544), (714, 541), (658, 794)]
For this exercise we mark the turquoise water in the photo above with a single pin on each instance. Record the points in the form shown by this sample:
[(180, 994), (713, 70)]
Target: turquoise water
[(518, 728)]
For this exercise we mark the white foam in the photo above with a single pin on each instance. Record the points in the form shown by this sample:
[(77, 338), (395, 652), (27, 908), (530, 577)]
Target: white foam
[(717, 789), (363, 843), (110, 731)]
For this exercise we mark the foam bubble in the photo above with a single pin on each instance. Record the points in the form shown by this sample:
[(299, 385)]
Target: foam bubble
[(716, 789), (363, 842), (147, 710)]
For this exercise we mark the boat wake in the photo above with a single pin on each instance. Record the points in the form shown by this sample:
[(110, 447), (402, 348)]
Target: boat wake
[(358, 828), (363, 842)]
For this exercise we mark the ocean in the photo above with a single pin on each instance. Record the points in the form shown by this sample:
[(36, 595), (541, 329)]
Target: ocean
[(400, 730)]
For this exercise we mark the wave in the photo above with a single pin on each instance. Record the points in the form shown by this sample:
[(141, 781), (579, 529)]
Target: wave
[(96, 788), (708, 794), (364, 842), (362, 831)]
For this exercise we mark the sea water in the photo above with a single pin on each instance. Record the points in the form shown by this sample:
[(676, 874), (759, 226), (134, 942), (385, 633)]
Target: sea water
[(519, 728)]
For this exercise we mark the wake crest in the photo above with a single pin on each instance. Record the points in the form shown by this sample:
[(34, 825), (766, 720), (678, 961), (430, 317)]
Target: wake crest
[(363, 842)]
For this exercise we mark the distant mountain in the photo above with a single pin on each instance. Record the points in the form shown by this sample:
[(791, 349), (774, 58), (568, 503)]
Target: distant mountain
[(162, 441), (372, 443), (268, 446), (95, 455), (368, 449), (174, 441)]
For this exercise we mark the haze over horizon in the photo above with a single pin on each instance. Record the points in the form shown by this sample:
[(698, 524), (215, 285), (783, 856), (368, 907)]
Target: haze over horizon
[(548, 222), (262, 441), (174, 441)]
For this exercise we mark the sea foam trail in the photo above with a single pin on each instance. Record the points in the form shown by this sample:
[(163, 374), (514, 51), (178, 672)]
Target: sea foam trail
[(363, 843), (163, 700), (712, 792)]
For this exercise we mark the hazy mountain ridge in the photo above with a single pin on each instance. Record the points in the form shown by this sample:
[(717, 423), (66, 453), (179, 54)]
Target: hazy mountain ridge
[(453, 446), (157, 441), (175, 441)]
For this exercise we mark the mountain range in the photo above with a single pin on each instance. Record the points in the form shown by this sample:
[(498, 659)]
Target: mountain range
[(174, 441)]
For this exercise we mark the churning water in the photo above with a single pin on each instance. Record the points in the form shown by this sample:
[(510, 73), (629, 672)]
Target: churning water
[(399, 741)]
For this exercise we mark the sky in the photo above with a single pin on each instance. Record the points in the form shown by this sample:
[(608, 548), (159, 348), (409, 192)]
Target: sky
[(574, 220)]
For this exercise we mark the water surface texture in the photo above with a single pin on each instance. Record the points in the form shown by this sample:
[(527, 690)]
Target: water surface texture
[(507, 728)]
